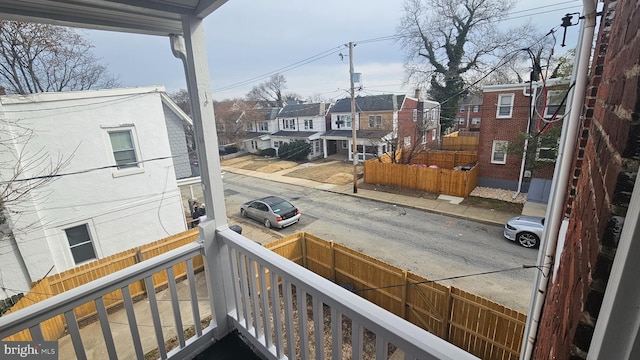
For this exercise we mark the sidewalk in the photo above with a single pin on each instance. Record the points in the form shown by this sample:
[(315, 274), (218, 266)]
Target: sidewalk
[(446, 205)]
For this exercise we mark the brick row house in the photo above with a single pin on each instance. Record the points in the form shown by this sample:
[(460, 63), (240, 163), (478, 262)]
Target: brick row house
[(518, 142), (469, 114)]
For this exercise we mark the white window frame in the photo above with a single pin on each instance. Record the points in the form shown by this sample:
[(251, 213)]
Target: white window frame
[(264, 126), (345, 144), (375, 121), (463, 108), (407, 141), (476, 108), (500, 105), (308, 124), (557, 96), (476, 121), (346, 119), (124, 171), (414, 115), (495, 149), (92, 237), (462, 121), (554, 148), (434, 134)]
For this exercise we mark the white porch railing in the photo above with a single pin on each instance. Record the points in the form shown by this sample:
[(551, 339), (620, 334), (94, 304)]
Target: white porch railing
[(240, 273)]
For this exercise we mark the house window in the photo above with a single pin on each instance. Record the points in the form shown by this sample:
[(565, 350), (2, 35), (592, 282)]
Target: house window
[(414, 114), (476, 108), (499, 152), (343, 121), (308, 124), (123, 148), (475, 121), (289, 124), (345, 144), (80, 243), (505, 106), (461, 121), (434, 132), (277, 144), (407, 141), (264, 126), (375, 121), (254, 145), (463, 108), (547, 149), (554, 98), (316, 146)]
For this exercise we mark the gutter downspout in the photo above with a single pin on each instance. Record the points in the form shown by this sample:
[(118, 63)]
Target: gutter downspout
[(532, 106), (547, 254)]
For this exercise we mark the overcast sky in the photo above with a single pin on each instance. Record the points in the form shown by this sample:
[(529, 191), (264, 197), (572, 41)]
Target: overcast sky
[(249, 39)]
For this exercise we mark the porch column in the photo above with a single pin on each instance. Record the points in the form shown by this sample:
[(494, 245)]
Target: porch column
[(216, 253), (324, 147)]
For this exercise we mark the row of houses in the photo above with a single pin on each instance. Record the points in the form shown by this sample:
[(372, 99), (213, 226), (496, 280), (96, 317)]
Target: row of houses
[(380, 121)]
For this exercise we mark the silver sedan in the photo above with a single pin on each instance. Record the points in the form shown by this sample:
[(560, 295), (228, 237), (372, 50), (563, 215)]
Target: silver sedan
[(271, 211), (526, 230)]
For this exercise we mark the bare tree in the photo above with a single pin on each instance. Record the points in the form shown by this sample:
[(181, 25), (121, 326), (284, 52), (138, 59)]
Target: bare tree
[(229, 120), (24, 172), (445, 39), (38, 58), (269, 91)]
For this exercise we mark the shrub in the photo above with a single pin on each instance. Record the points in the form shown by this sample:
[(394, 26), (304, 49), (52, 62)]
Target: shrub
[(294, 151), (270, 152)]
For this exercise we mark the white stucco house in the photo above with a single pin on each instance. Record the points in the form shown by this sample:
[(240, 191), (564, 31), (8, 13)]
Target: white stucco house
[(116, 186), (306, 122)]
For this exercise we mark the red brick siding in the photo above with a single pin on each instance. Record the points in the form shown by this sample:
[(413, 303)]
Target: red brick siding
[(501, 129), (605, 166)]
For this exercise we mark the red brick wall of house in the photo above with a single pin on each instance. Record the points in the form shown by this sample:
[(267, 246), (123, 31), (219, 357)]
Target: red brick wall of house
[(501, 129), (605, 166), (406, 126)]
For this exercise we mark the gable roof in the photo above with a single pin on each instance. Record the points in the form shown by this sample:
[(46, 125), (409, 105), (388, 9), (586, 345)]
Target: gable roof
[(388, 102), (296, 110)]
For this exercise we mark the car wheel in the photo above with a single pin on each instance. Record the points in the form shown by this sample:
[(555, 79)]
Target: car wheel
[(267, 223), (527, 239), (243, 213)]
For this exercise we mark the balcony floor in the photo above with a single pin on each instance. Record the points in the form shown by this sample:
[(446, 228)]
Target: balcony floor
[(229, 347)]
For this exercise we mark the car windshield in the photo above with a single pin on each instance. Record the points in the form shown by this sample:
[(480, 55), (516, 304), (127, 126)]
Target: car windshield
[(281, 207)]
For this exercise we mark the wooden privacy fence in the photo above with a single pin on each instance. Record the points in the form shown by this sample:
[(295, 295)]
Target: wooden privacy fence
[(53, 285), (456, 141), (441, 180), (475, 324)]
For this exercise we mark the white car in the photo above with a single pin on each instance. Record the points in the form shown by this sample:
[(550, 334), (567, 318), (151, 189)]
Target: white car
[(526, 230)]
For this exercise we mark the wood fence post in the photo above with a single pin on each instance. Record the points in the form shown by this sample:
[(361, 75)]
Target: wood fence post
[(303, 244), (333, 260), (403, 310), (447, 320), (139, 259)]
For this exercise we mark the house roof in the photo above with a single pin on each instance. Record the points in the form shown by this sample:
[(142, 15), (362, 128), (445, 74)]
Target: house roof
[(296, 110), (262, 114), (252, 135), (388, 102), (153, 17)]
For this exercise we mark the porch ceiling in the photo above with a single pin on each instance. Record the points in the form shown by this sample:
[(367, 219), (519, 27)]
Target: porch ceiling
[(152, 17)]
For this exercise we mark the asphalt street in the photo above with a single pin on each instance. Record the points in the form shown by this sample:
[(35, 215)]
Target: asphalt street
[(452, 250)]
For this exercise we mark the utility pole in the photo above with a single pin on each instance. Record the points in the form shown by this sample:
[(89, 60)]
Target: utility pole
[(353, 121)]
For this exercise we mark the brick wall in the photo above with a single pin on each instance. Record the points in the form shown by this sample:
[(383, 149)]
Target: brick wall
[(605, 166), (501, 129)]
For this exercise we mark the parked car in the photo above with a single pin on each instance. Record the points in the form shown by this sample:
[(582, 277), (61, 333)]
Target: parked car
[(526, 230), (271, 211)]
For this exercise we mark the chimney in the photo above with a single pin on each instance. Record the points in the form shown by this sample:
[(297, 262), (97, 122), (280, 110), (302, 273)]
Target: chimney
[(418, 94)]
